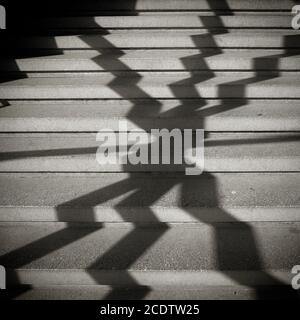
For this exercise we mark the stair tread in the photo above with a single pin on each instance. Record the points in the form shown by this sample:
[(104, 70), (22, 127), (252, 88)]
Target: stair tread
[(74, 228), (98, 292), (77, 152), (110, 190), (162, 20), (213, 115), (150, 77), (117, 39), (187, 5), (154, 85), (57, 247), (184, 59)]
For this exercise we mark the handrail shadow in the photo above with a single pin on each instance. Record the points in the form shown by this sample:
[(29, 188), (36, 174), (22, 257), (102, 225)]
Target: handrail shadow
[(137, 244)]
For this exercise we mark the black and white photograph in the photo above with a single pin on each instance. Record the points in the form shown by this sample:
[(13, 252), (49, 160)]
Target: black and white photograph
[(149, 151)]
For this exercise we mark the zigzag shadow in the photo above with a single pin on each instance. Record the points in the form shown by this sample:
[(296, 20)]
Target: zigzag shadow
[(137, 244)]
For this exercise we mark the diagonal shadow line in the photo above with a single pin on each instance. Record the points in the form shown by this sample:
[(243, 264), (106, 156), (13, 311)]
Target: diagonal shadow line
[(46, 245), (158, 106), (250, 233), (132, 237), (133, 245), (45, 242), (128, 249), (15, 155), (241, 85), (221, 239), (125, 243), (132, 240), (43, 246), (122, 245)]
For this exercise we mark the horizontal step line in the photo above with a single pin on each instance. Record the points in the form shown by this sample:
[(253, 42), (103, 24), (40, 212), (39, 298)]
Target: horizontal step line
[(150, 99), (225, 28), (136, 216), (230, 10), (34, 50), (148, 277), (6, 73)]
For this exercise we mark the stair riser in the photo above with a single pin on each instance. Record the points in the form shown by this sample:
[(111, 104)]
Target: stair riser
[(162, 39), (171, 5), (228, 91), (118, 217), (150, 252), (191, 280), (159, 20), (85, 124), (74, 116), (183, 63), (70, 224)]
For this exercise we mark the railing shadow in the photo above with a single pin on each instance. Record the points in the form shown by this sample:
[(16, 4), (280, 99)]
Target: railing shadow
[(132, 246)]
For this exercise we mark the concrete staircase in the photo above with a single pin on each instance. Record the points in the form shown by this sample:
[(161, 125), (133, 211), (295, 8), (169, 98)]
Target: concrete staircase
[(73, 229)]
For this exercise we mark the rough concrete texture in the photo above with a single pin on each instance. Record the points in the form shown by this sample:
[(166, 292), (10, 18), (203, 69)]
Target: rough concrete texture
[(180, 38), (70, 228), (154, 85), (133, 190), (176, 59), (219, 247), (97, 292), (223, 152), (255, 115), (251, 5), (165, 20)]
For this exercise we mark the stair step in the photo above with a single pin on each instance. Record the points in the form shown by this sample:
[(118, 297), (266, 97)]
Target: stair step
[(77, 153), (72, 228), (118, 39), (149, 198), (24, 14), (56, 254), (212, 115), (97, 292), (163, 20), (174, 5), (155, 85), (180, 59)]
